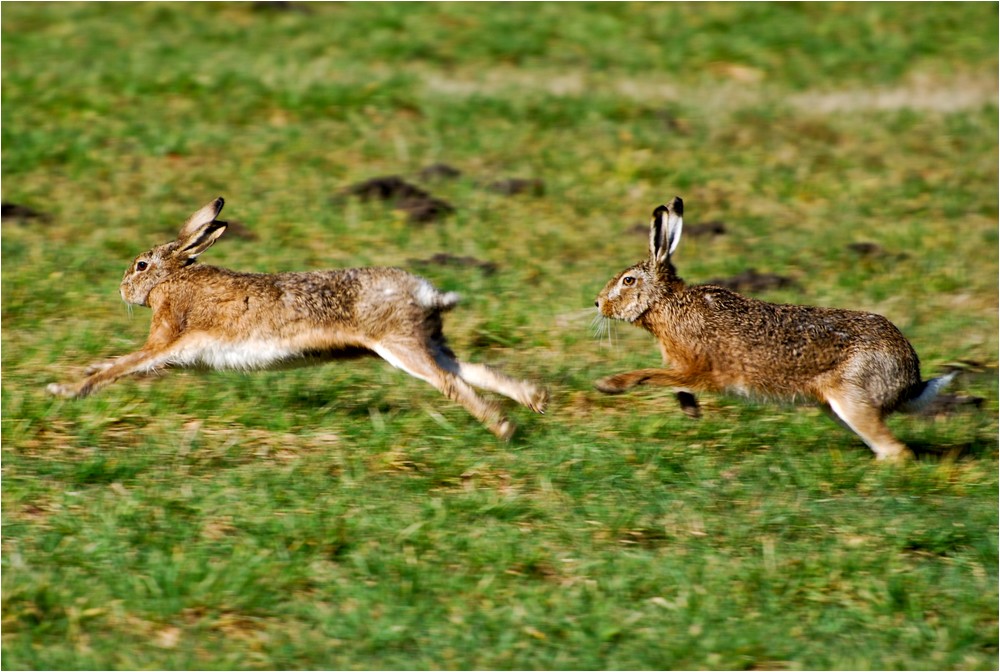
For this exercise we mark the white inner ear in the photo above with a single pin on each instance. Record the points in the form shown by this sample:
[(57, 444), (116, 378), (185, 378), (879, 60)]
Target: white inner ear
[(674, 225), (204, 216)]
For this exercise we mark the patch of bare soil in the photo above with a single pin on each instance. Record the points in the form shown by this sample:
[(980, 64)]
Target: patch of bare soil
[(445, 259), (13, 212), (710, 228), (870, 250), (237, 229), (419, 205), (439, 171), (752, 282), (514, 186)]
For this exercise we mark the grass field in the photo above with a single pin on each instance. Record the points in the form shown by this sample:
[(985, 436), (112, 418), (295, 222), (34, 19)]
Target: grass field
[(350, 516)]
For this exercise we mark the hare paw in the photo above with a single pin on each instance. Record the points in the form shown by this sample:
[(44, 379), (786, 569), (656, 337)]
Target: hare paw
[(504, 429), (612, 385), (62, 390), (900, 456), (97, 367), (539, 400), (689, 404)]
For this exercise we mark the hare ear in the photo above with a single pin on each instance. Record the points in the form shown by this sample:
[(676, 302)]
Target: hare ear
[(201, 230), (200, 218), (665, 230)]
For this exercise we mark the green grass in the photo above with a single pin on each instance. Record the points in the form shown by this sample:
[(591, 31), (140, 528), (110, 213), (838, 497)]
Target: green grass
[(351, 517)]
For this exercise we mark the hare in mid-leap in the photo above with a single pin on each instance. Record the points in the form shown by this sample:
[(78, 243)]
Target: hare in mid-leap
[(215, 318), (857, 365)]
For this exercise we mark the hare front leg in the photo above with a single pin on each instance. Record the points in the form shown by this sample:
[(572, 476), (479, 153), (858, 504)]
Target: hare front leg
[(622, 382), (689, 403), (73, 389), (107, 372), (100, 366), (105, 375)]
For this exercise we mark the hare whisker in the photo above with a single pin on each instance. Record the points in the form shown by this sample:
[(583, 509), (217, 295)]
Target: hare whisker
[(602, 326)]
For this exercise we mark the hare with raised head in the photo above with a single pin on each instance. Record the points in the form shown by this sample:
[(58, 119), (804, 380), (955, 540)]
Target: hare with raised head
[(857, 365), (214, 318)]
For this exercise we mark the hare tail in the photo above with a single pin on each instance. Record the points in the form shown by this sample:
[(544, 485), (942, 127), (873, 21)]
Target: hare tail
[(448, 300), (925, 394), (429, 297)]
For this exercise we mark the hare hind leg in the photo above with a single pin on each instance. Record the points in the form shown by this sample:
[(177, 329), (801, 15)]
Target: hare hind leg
[(486, 377), (867, 422), (416, 359)]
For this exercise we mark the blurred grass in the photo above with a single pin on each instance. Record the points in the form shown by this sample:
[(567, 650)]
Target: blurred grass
[(348, 517)]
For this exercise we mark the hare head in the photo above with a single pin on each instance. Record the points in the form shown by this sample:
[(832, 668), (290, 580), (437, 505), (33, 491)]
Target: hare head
[(152, 267), (633, 291)]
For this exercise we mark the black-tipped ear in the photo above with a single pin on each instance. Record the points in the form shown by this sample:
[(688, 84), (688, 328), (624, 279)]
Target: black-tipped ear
[(203, 239), (201, 231), (204, 215), (665, 230), (657, 235), (676, 206)]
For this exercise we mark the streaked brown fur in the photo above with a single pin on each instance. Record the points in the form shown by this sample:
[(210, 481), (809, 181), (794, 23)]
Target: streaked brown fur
[(857, 365), (210, 317)]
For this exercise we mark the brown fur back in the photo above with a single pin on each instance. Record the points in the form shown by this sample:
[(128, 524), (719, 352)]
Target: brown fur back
[(779, 351), (857, 364)]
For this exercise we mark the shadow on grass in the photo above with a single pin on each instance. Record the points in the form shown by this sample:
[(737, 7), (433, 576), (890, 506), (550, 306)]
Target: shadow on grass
[(348, 405), (979, 448)]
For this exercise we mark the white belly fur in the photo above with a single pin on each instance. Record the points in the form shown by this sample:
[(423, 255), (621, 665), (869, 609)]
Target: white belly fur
[(243, 355)]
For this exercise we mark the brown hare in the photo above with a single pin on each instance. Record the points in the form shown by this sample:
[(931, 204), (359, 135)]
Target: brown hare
[(857, 365), (214, 318)]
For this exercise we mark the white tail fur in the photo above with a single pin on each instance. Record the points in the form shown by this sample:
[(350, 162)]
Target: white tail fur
[(931, 389)]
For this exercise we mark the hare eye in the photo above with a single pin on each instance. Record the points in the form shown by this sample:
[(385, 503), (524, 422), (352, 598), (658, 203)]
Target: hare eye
[(628, 281), (141, 266)]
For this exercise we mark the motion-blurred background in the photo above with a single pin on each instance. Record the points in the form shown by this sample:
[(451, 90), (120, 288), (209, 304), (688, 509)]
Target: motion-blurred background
[(348, 517)]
